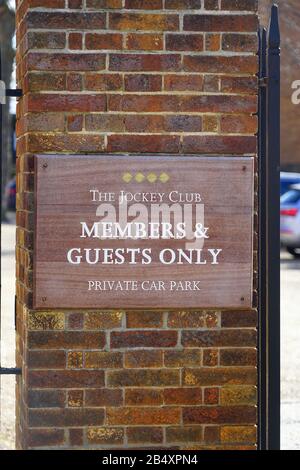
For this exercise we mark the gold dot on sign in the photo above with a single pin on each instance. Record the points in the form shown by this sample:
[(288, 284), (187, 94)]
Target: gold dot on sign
[(127, 177), (139, 177), (164, 178), (152, 177)]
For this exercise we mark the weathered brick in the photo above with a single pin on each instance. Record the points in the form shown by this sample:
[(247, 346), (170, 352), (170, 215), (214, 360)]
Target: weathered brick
[(211, 4), (143, 339), (46, 359), (46, 437), (103, 320), (236, 319), (238, 395), (146, 319), (66, 417), (182, 4), (143, 434), (75, 360), (105, 435), (144, 397), (184, 42), (94, 41), (211, 396), (76, 436), (183, 358), (46, 398), (143, 359), (147, 416), (184, 434), (211, 84), (183, 396), (65, 379), (66, 143), (143, 82), (240, 42), (239, 434), (65, 340), (184, 83), (75, 398), (74, 82), (220, 376), (75, 4), (65, 20), (210, 23), (46, 40), (143, 378), (239, 124), (238, 357), (103, 397), (75, 41), (210, 123), (143, 143), (59, 103), (144, 42), (145, 22), (193, 319), (75, 123), (105, 123), (53, 122), (144, 5), (219, 415), (109, 4), (212, 42), (145, 62), (103, 360), (211, 434), (46, 321), (219, 338), (244, 5), (242, 85), (210, 357)]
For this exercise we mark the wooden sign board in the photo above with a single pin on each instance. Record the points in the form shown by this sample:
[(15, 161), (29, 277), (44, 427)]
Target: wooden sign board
[(143, 232)]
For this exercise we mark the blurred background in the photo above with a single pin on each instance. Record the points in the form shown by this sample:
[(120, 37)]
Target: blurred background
[(290, 219)]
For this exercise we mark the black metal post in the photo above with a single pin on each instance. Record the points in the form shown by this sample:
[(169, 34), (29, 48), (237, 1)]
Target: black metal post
[(273, 231), (262, 249)]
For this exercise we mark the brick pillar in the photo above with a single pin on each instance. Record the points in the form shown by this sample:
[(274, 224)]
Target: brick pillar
[(117, 76)]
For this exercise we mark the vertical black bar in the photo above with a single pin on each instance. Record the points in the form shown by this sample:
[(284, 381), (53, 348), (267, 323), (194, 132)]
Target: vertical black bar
[(1, 133), (262, 249), (273, 232)]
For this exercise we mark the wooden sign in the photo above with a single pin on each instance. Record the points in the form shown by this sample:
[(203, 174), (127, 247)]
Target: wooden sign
[(143, 232)]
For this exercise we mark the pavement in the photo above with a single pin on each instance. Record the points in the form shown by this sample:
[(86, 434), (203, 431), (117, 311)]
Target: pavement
[(290, 330)]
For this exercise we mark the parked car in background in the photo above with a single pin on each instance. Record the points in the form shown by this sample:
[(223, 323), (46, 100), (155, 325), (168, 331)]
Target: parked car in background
[(287, 180), (10, 195), (290, 220)]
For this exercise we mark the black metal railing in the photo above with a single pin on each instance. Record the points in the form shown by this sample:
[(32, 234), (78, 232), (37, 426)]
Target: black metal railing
[(269, 231)]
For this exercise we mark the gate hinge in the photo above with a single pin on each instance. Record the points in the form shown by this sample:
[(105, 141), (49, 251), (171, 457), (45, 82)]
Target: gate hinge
[(263, 82), (4, 92), (10, 371)]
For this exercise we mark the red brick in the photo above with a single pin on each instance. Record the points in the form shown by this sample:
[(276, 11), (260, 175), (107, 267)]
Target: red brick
[(143, 339), (65, 20), (144, 22), (103, 41), (183, 83), (220, 376), (184, 42), (66, 379), (184, 434), (145, 62), (220, 23), (144, 5), (146, 319), (75, 122), (103, 360), (143, 378), (183, 396), (145, 435), (46, 40), (75, 398), (67, 417), (211, 84), (212, 434), (75, 4), (145, 416), (65, 62), (242, 85), (73, 103), (193, 319), (65, 340), (76, 436), (75, 41), (46, 398), (103, 82), (211, 4), (143, 397), (67, 143), (212, 42), (109, 4), (46, 81), (143, 82), (104, 122), (211, 396), (220, 144), (46, 437), (219, 415), (239, 124), (239, 319), (144, 42), (143, 144), (183, 358), (220, 64), (103, 397), (75, 321), (210, 357), (74, 82)]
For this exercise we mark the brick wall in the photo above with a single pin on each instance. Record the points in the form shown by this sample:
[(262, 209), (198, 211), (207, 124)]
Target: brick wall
[(117, 76)]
